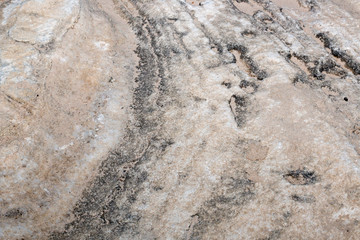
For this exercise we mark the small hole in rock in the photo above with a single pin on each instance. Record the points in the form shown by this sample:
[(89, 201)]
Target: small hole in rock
[(346, 99)]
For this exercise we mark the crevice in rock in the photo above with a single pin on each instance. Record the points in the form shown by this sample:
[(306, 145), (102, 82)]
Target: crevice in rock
[(238, 105), (241, 53), (350, 62)]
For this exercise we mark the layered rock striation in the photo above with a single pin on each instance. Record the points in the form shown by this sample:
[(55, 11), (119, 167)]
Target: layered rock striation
[(175, 119)]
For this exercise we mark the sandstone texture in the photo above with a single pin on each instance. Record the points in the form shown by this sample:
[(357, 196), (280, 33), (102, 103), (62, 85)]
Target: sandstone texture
[(154, 119)]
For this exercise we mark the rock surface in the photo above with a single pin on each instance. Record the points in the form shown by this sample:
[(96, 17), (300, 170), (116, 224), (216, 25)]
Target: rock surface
[(217, 119)]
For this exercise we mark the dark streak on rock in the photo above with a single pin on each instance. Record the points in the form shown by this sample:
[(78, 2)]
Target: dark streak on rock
[(305, 59), (275, 234), (226, 84), (301, 78), (120, 179), (325, 65), (254, 68), (303, 198), (246, 84), (229, 197), (301, 177), (15, 213), (337, 52), (249, 33), (105, 209), (262, 17), (238, 105)]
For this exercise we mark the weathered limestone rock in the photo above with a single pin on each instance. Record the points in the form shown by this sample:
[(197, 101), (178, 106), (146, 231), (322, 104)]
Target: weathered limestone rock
[(217, 119)]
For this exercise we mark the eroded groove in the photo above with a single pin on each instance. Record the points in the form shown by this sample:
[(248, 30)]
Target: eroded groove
[(350, 62), (250, 63)]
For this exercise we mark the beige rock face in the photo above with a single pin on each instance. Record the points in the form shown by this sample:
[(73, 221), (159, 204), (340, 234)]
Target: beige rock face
[(178, 119), (65, 88)]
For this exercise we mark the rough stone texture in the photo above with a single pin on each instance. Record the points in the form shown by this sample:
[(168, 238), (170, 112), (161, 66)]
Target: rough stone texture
[(217, 119)]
